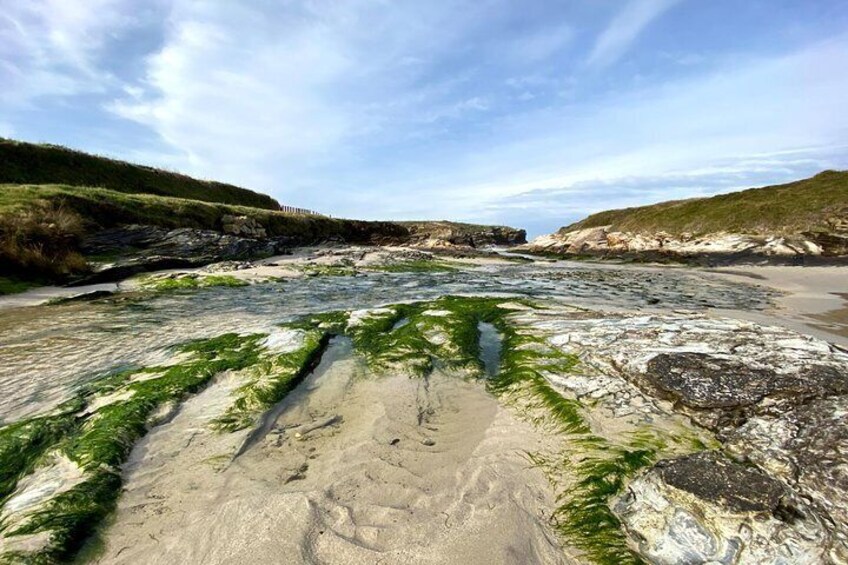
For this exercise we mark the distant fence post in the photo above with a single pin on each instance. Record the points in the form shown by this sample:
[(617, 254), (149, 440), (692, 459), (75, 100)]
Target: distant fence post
[(302, 211)]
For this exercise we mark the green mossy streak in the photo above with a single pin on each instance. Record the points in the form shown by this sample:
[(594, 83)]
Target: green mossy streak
[(159, 284), (100, 442), (417, 266), (414, 337), (275, 377)]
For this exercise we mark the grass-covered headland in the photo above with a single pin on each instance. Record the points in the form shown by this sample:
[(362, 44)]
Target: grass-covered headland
[(815, 204), (30, 163), (42, 226), (52, 197)]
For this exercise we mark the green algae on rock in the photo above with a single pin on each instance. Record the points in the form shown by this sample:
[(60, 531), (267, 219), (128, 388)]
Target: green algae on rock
[(188, 281), (273, 378), (417, 266), (415, 338), (97, 436)]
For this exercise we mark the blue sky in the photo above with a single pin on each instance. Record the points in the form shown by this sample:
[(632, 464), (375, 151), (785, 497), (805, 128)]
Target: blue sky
[(529, 113)]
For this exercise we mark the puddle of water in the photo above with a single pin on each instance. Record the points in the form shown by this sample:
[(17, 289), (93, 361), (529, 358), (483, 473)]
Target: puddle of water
[(490, 348)]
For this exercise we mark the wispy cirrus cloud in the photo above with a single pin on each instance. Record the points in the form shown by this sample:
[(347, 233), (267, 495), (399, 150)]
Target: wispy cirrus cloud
[(55, 47), (625, 28)]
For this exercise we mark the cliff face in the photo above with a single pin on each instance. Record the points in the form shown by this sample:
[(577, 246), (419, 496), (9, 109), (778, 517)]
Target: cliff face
[(804, 221)]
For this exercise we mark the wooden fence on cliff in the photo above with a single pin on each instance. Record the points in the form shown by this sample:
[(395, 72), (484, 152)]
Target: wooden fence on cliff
[(301, 211)]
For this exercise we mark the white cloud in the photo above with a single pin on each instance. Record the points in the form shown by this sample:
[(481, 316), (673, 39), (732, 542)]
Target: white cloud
[(51, 47), (231, 89), (249, 92), (368, 108), (624, 28), (715, 124)]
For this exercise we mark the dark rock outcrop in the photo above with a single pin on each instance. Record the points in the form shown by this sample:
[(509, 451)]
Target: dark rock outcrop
[(806, 447), (151, 248), (715, 478), (706, 508), (721, 393)]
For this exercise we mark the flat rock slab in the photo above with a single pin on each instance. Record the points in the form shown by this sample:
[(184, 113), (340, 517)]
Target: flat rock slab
[(705, 382)]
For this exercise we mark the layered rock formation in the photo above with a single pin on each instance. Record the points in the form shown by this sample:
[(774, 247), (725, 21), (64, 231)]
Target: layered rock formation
[(772, 488), (133, 249), (718, 248)]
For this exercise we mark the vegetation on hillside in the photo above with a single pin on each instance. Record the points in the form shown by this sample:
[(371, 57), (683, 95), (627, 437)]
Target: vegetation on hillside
[(796, 207), (38, 243), (41, 226), (29, 163)]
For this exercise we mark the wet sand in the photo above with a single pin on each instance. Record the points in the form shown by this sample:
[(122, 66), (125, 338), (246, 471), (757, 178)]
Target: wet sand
[(814, 299), (357, 469)]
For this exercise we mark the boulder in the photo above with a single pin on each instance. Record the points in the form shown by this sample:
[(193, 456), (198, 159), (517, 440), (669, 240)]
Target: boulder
[(806, 447), (243, 226), (705, 508)]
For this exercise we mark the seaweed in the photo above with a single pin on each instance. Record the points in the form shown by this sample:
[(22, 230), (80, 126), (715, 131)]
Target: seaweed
[(316, 270), (23, 443), (417, 266), (188, 282), (275, 378), (101, 441)]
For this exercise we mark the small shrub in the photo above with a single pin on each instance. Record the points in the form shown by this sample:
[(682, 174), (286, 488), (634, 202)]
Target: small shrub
[(41, 241)]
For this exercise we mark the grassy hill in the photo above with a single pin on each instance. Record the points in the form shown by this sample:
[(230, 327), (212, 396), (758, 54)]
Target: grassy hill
[(29, 163), (41, 226), (807, 205), (52, 197)]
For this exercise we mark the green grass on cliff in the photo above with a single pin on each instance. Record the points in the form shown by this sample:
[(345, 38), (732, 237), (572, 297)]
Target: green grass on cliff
[(29, 163), (796, 207), (41, 226)]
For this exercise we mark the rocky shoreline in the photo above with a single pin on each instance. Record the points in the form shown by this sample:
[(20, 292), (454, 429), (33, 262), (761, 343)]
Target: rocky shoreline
[(410, 405), (122, 252), (719, 249)]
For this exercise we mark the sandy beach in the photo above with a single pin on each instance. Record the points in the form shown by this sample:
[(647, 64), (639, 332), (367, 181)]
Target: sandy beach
[(814, 300), (354, 470)]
